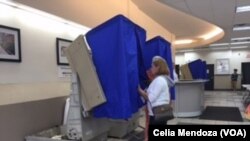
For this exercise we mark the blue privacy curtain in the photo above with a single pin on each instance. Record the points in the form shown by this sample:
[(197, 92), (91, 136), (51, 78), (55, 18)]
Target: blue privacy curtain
[(116, 53), (159, 46), (198, 69), (141, 44)]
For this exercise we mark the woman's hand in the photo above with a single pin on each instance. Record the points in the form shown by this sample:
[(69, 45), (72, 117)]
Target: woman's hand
[(142, 93), (171, 104), (140, 90)]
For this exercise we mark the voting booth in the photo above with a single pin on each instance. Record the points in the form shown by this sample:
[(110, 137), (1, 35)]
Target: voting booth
[(115, 48), (190, 89), (158, 46), (194, 70), (107, 67)]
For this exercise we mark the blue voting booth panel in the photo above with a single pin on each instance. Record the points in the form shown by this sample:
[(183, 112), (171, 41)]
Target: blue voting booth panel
[(198, 69), (141, 43), (116, 53), (195, 68), (159, 46)]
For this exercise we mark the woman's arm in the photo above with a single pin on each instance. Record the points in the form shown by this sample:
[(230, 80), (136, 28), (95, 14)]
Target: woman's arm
[(170, 81), (143, 93)]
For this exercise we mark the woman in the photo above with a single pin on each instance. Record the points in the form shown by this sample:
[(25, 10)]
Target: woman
[(157, 94)]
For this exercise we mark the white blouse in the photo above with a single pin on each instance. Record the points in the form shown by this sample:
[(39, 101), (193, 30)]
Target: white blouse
[(158, 93)]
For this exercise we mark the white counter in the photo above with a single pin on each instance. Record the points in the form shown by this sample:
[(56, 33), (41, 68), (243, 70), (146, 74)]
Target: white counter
[(247, 86), (189, 98)]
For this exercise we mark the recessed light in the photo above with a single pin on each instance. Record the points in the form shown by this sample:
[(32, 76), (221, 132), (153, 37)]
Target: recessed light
[(212, 34), (219, 44), (179, 42), (220, 48), (241, 9), (239, 27), (239, 47), (240, 38)]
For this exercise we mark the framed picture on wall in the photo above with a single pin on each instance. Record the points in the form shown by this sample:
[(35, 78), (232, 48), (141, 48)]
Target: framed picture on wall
[(61, 45), (10, 44), (222, 66)]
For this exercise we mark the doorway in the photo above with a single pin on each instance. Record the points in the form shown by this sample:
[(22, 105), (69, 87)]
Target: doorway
[(245, 69), (210, 74), (177, 70)]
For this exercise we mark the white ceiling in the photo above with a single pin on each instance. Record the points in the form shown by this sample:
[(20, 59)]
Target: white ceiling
[(219, 12), (177, 22), (186, 19), (178, 25), (182, 24)]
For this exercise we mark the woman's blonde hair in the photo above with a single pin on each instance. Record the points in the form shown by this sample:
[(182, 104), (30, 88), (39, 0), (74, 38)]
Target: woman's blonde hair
[(160, 62)]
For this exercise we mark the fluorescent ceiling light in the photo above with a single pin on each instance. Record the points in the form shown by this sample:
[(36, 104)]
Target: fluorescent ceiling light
[(240, 38), (185, 50), (240, 28), (179, 42), (240, 43), (202, 49), (220, 48), (240, 9), (239, 47), (219, 44)]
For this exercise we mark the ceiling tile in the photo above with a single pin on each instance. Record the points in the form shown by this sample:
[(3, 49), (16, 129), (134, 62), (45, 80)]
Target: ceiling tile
[(237, 34), (243, 2), (218, 12), (224, 12), (178, 4), (241, 18), (201, 9)]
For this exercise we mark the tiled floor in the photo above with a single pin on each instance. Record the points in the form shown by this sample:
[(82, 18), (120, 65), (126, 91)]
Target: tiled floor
[(220, 98), (212, 98), (225, 98)]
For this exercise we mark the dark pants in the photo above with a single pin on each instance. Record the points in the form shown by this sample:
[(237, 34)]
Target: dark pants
[(162, 121)]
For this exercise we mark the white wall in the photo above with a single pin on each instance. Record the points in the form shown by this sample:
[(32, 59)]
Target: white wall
[(38, 66), (236, 57)]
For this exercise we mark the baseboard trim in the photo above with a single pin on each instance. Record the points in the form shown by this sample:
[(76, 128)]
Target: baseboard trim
[(225, 90)]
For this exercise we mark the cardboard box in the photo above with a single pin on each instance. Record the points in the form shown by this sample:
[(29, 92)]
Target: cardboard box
[(185, 72)]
